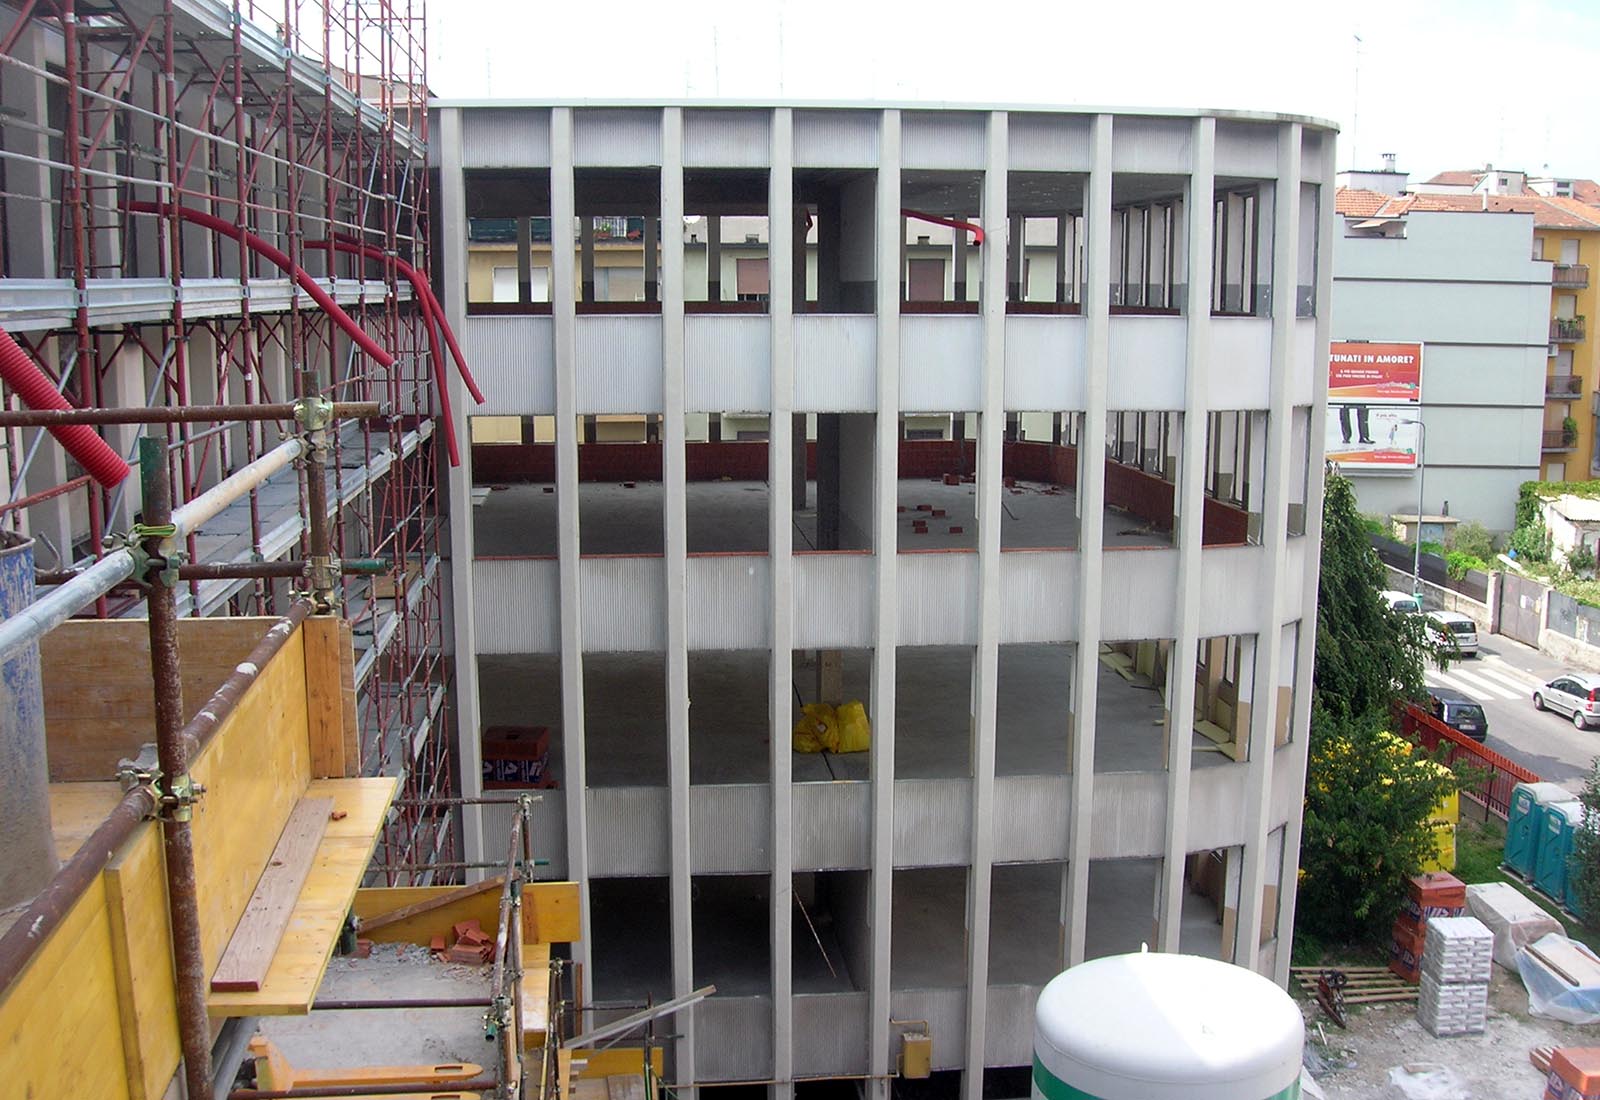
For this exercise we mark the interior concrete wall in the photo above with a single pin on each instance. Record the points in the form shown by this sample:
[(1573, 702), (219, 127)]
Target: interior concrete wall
[(857, 441)]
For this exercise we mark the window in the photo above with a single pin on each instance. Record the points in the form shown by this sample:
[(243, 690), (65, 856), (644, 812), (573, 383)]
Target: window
[(1538, 248), (505, 284), (1569, 250), (925, 280), (753, 279), (1566, 306)]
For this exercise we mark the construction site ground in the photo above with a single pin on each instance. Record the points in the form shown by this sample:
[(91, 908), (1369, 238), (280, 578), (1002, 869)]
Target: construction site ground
[(1356, 1063)]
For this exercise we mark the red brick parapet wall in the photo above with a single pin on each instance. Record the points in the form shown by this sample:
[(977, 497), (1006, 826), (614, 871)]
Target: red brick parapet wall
[(1144, 496)]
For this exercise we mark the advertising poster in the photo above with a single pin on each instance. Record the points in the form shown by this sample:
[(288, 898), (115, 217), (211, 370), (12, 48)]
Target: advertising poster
[(1374, 397)]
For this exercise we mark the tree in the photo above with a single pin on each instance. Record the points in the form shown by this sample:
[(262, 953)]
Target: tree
[(1584, 866), (1370, 796), (1367, 654)]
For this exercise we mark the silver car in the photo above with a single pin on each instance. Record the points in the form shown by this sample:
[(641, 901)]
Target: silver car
[(1575, 694), (1454, 630)]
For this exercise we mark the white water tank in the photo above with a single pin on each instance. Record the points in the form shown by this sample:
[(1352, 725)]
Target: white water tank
[(1165, 1027)]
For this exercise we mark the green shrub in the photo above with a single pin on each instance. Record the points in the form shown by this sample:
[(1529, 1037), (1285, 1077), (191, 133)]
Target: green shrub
[(1457, 563), (1472, 538), (1581, 560), (1531, 541)]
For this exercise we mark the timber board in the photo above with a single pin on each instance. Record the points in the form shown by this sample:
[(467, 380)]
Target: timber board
[(549, 912)]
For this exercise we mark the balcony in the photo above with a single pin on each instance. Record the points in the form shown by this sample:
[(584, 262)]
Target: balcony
[(1566, 330), (1570, 276), (1562, 387), (1558, 439)]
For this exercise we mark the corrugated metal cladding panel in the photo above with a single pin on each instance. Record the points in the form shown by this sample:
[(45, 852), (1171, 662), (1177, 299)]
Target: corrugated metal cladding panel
[(830, 1033), (1230, 594), (1030, 817), (1008, 1026), (1152, 145), (1303, 371), (1216, 806), (1240, 374), (833, 600), (729, 826), (835, 362), (932, 821), (616, 137), (1136, 594), (1146, 369), (514, 361), (628, 833), (549, 818), (728, 599), (505, 137), (1048, 143), (831, 826), (1044, 364), (623, 600), (733, 1038), (517, 604), (946, 1013), (1038, 596), (836, 139), (1129, 814), (941, 362), (943, 139), (619, 364), (727, 139), (1247, 149), (938, 598), (727, 364)]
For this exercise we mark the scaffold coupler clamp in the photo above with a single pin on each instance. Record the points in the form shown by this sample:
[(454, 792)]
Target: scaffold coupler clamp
[(178, 796), (313, 414), (322, 573), (151, 568), (141, 771)]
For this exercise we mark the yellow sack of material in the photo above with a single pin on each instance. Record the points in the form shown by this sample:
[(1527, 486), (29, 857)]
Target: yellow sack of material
[(855, 732), (817, 729)]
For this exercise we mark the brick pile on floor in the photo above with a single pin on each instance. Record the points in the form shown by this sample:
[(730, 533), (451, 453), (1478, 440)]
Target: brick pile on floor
[(1454, 995), (473, 945)]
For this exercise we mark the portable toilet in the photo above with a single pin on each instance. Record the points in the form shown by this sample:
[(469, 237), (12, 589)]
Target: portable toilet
[(1165, 1027), (1559, 821), (1523, 823)]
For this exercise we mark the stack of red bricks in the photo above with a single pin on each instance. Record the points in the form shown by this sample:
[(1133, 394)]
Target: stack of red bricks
[(473, 945), (1574, 1074), (1434, 894)]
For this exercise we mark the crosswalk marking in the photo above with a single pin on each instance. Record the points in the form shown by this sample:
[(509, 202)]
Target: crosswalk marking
[(1465, 681), (1508, 674)]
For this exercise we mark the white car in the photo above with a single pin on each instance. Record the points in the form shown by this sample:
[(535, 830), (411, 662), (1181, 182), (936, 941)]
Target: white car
[(1575, 694), (1403, 602), (1446, 626)]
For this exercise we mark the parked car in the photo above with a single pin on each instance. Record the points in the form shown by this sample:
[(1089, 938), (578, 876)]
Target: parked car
[(1575, 694), (1453, 626), (1460, 712), (1403, 602)]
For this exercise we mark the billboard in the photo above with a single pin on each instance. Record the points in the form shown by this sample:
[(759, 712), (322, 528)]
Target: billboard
[(1374, 399)]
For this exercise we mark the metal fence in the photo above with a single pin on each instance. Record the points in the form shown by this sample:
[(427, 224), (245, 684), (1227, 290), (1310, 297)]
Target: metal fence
[(1401, 555), (1494, 792)]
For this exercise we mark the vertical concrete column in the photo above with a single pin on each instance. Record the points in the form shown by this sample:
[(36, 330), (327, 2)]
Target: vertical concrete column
[(1274, 541), (1191, 506), (452, 245), (714, 257), (673, 469), (30, 232), (886, 608), (524, 259), (564, 310), (1063, 237), (780, 192), (652, 254), (586, 246), (986, 662), (1091, 533), (1016, 263), (1294, 755)]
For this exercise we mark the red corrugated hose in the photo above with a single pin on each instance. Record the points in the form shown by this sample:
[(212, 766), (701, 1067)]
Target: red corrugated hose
[(36, 391)]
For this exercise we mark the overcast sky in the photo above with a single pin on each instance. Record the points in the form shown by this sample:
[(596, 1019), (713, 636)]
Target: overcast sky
[(1442, 83)]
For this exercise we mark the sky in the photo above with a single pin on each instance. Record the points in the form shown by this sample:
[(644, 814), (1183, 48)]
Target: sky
[(1440, 83)]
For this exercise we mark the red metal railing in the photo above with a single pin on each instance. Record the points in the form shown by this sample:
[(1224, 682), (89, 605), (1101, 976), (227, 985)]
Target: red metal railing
[(1494, 793)]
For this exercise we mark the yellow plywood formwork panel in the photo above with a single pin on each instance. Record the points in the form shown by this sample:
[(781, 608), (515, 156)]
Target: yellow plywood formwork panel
[(66, 1000), (99, 710), (535, 993), (136, 899), (324, 697), (254, 770), (615, 1062), (549, 912), (307, 945), (78, 809)]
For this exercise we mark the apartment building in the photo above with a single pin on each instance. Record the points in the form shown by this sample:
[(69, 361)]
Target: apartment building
[(1044, 514)]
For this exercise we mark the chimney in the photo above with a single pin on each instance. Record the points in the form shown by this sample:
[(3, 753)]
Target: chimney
[(1389, 161)]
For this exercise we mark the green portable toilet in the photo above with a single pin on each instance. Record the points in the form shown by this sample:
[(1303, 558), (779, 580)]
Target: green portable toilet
[(1559, 822), (1524, 821)]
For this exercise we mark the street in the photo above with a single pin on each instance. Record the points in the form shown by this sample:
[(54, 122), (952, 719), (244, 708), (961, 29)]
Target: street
[(1502, 678)]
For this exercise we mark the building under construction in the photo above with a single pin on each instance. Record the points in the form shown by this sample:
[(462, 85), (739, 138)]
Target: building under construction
[(957, 466)]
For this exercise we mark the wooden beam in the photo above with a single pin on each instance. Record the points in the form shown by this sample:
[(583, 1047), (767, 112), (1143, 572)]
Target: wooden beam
[(428, 905), (256, 937)]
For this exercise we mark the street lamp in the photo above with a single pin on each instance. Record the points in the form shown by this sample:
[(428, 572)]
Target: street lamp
[(1422, 466)]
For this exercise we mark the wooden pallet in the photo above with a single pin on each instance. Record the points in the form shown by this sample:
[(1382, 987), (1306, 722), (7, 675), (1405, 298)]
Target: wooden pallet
[(1363, 984)]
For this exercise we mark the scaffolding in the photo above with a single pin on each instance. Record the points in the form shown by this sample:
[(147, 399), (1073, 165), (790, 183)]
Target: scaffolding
[(160, 162)]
